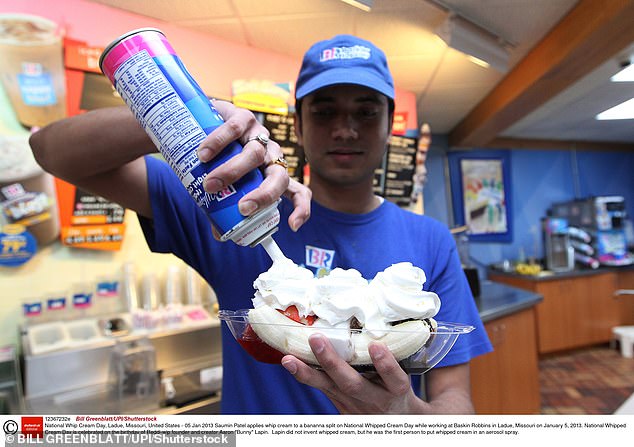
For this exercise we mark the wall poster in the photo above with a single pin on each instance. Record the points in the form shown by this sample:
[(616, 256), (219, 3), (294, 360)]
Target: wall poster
[(480, 187)]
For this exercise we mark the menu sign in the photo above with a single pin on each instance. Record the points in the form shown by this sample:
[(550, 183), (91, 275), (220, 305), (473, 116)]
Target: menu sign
[(282, 132), (88, 221), (393, 180)]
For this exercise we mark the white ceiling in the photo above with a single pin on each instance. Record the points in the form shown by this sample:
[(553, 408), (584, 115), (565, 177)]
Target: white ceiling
[(447, 85)]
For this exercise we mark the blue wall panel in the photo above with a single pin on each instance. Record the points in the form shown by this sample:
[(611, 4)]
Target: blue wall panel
[(539, 178)]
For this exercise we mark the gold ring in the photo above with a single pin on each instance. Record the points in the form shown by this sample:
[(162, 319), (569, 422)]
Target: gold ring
[(261, 138), (279, 161)]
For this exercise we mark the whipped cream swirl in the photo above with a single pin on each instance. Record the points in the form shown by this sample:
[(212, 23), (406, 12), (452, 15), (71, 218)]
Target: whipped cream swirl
[(284, 284), (393, 295), (400, 293)]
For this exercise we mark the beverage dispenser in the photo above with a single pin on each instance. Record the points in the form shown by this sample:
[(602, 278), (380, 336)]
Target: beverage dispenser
[(558, 250)]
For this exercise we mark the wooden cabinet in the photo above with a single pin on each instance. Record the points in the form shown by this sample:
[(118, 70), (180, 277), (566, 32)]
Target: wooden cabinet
[(578, 310), (506, 381), (626, 301)]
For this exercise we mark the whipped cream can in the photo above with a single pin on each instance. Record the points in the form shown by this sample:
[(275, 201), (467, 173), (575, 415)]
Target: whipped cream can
[(176, 114)]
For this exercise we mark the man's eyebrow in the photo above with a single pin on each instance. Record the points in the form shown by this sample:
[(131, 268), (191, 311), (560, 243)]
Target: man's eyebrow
[(376, 99), (322, 99)]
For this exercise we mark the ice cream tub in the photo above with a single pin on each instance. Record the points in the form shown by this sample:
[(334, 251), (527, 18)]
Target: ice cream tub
[(174, 111)]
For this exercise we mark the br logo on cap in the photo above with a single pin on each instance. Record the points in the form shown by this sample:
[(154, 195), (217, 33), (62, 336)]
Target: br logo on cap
[(355, 52)]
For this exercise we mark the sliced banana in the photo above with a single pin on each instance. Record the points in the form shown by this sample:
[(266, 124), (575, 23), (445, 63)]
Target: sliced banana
[(290, 337), (404, 340), (297, 344)]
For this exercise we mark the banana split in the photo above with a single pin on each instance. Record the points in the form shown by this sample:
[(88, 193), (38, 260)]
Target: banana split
[(290, 304)]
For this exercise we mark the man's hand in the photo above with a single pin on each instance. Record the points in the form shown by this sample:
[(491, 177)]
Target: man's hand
[(241, 125), (388, 391)]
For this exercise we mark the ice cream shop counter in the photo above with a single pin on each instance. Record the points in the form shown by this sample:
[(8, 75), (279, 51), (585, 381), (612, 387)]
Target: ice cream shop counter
[(579, 308), (497, 300), (528, 316), (506, 381)]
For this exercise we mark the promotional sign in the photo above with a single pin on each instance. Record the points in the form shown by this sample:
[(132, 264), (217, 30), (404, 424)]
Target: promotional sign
[(31, 68), (78, 56), (17, 245), (399, 124), (261, 95), (88, 221), (29, 201)]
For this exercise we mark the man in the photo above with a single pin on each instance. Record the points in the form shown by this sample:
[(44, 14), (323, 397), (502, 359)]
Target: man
[(345, 104)]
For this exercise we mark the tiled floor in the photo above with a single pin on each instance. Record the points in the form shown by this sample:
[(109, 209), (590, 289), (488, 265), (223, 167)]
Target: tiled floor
[(595, 380)]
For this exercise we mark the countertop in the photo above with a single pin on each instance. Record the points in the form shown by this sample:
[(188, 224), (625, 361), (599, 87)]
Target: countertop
[(498, 300), (547, 275)]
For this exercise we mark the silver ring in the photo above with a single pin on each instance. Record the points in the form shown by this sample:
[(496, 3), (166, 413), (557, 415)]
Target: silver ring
[(261, 138)]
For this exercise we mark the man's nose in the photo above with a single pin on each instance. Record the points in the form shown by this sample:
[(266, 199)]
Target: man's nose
[(345, 128)]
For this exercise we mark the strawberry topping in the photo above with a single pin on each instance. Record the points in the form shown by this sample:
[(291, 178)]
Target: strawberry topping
[(292, 313)]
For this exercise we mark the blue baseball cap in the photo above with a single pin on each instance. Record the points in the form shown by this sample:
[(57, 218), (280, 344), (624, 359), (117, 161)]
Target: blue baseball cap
[(344, 59)]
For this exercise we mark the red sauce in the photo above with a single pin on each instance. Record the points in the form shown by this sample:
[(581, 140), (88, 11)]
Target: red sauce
[(259, 350)]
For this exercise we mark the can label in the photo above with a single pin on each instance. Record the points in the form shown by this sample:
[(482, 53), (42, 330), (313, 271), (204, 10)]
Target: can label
[(177, 116)]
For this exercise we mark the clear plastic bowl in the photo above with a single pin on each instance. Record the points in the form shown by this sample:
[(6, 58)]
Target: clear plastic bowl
[(434, 350)]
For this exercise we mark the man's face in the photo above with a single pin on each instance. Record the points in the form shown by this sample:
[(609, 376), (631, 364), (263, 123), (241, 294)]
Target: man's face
[(344, 130)]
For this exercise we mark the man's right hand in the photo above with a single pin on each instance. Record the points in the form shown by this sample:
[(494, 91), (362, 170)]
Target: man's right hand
[(241, 125)]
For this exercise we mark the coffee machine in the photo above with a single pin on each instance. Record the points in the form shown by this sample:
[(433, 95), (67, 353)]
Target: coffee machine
[(558, 250)]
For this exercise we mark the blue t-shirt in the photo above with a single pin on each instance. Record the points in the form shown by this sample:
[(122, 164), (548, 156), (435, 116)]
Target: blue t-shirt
[(366, 242)]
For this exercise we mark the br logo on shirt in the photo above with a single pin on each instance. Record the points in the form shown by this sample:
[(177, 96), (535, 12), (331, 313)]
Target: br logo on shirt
[(319, 257)]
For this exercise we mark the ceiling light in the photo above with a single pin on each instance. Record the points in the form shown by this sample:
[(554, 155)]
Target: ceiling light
[(364, 5), (479, 62), (625, 75), (624, 111), (475, 41)]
